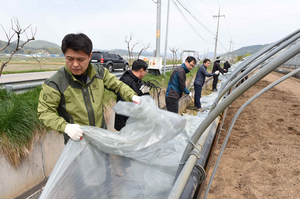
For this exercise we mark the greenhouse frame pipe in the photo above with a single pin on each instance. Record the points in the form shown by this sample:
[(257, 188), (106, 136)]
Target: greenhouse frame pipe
[(274, 51), (179, 185), (258, 54), (196, 176), (235, 118), (189, 165), (254, 65), (235, 94)]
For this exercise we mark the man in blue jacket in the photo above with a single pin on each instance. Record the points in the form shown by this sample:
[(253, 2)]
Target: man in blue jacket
[(176, 85), (199, 82)]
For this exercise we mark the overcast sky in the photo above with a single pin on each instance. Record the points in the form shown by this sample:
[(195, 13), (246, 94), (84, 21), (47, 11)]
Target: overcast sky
[(107, 22)]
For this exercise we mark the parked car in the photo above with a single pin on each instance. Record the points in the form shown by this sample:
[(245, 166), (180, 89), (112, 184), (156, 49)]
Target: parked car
[(109, 60)]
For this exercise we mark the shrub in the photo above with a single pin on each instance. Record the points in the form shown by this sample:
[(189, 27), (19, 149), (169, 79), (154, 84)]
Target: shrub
[(18, 123)]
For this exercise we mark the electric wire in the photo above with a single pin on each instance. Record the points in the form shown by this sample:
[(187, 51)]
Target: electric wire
[(187, 10), (218, 3), (222, 46), (177, 7), (207, 7), (226, 25)]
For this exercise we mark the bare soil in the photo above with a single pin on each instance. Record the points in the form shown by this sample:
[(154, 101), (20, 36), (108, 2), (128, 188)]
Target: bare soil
[(24, 65), (261, 158)]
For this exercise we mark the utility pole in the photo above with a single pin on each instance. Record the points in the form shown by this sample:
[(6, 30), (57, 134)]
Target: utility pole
[(232, 52), (207, 53), (229, 48), (217, 32), (166, 41), (158, 19)]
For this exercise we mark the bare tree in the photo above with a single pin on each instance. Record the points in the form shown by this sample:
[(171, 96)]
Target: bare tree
[(36, 57), (15, 26), (175, 59), (128, 39), (143, 49)]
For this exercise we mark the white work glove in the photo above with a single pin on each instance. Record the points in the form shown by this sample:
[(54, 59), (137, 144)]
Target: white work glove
[(217, 72), (74, 131), (144, 89), (190, 95), (136, 99)]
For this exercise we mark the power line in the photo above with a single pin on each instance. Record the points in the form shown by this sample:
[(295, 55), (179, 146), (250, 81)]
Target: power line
[(227, 26), (195, 12), (177, 7), (194, 17), (222, 46), (207, 7), (218, 3)]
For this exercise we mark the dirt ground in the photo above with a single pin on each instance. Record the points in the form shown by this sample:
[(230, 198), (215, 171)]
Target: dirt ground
[(261, 158)]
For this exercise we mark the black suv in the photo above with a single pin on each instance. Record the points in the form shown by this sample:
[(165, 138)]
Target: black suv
[(109, 60)]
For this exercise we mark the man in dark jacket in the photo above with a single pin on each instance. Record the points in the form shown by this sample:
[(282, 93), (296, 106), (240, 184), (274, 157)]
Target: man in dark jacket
[(226, 66), (199, 82), (176, 85), (133, 79), (215, 68)]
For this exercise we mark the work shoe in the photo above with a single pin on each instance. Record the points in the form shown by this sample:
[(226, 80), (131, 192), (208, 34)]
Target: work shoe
[(199, 109)]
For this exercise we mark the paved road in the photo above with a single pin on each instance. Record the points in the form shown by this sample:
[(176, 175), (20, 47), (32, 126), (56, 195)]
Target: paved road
[(39, 77), (25, 76), (10, 78)]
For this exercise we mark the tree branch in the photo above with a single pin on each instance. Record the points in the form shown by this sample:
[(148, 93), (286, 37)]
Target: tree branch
[(18, 31), (143, 49)]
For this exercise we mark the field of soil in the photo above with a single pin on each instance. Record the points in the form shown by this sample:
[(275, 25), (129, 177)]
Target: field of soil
[(24, 65), (261, 158)]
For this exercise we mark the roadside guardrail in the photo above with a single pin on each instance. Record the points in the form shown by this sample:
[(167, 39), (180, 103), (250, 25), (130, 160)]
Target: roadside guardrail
[(24, 85)]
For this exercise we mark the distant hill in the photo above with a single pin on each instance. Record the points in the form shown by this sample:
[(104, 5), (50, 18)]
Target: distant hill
[(37, 44), (32, 46), (241, 51), (53, 48), (246, 50)]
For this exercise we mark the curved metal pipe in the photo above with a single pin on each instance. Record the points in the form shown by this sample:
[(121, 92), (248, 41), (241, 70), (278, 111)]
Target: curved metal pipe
[(247, 71), (197, 176), (235, 94), (235, 118), (258, 54)]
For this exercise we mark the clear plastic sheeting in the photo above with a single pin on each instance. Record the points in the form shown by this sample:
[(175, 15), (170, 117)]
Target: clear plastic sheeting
[(207, 102), (140, 161)]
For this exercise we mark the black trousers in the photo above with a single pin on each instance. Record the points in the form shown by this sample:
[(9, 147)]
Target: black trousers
[(215, 82), (198, 90), (172, 104)]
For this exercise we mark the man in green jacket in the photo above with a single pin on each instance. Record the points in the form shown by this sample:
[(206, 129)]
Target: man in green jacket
[(76, 91)]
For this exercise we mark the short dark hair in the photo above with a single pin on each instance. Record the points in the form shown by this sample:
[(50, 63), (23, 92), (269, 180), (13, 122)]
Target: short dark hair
[(206, 60), (77, 42), (191, 58), (138, 64)]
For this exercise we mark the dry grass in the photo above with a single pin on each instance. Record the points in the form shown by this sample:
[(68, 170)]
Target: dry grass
[(16, 153), (32, 66), (25, 65), (107, 110)]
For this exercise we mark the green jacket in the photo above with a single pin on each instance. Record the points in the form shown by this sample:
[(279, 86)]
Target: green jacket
[(75, 102)]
